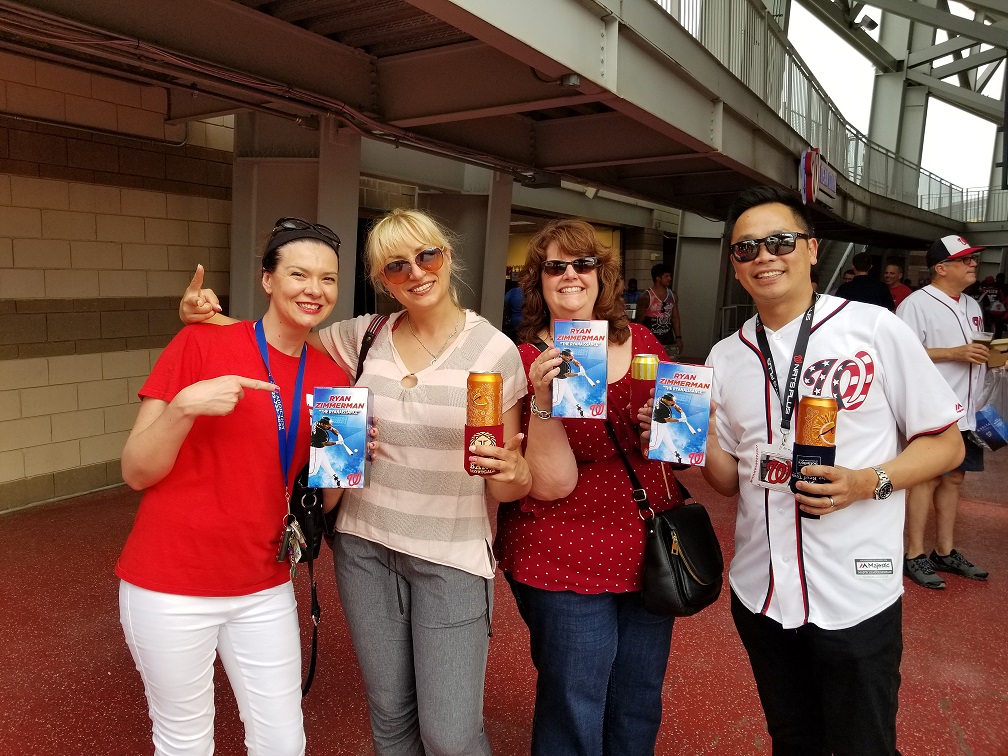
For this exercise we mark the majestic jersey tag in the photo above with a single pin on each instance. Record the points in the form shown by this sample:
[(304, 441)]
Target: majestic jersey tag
[(873, 568)]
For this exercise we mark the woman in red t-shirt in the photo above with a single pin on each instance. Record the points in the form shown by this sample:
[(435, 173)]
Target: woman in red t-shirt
[(199, 572), (573, 549)]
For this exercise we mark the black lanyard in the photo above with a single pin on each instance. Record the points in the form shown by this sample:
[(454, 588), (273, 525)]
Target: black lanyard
[(797, 360), (286, 441)]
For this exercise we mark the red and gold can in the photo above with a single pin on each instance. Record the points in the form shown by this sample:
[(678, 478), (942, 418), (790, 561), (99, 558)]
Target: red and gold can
[(485, 395), (815, 440), (643, 371), (484, 416), (815, 423)]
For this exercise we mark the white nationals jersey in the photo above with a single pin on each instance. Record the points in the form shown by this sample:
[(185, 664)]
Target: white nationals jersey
[(939, 322), (847, 566)]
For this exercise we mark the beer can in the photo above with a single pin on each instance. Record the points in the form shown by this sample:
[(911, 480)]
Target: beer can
[(815, 440), (643, 371), (485, 397), (815, 423)]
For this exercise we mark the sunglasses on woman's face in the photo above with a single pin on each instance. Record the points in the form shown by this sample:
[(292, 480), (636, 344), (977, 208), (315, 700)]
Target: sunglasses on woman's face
[(559, 267), (430, 260), (296, 224)]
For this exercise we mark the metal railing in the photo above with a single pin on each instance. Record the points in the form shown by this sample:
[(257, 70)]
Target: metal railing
[(744, 36)]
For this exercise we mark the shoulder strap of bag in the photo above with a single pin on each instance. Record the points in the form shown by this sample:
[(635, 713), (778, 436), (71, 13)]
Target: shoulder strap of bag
[(369, 336), (639, 494), (316, 608)]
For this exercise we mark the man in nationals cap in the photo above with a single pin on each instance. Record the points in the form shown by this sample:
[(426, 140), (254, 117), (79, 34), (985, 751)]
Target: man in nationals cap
[(944, 318)]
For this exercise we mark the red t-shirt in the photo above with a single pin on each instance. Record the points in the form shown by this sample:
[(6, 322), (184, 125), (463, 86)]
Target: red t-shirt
[(212, 526), (592, 541)]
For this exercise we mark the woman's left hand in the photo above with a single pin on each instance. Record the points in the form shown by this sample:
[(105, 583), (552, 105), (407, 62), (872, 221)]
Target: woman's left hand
[(844, 487), (507, 461), (372, 445)]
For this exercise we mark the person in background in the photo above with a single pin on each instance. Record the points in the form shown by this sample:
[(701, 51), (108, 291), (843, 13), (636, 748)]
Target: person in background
[(892, 277), (199, 572), (993, 306), (658, 310), (573, 549), (817, 602), (943, 319), (865, 288), (412, 551), (513, 301), (848, 275), (631, 293)]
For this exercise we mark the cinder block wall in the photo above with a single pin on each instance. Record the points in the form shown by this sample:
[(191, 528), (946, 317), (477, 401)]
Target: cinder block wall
[(99, 234)]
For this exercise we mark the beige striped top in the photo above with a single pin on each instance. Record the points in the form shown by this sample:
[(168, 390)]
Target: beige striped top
[(420, 500)]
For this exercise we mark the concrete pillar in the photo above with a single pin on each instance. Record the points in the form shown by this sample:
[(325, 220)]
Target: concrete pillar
[(643, 248), (339, 164), (481, 218), (282, 169), (701, 276)]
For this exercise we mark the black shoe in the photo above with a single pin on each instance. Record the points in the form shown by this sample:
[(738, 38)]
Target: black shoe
[(957, 564), (921, 571)]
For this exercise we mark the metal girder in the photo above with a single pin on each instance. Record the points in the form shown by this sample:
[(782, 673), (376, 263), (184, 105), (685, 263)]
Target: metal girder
[(998, 7), (991, 34), (834, 18), (484, 82), (972, 102), (942, 49), (968, 62), (228, 34)]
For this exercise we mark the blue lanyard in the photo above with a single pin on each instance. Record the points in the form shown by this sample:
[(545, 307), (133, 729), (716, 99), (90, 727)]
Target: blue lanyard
[(287, 441)]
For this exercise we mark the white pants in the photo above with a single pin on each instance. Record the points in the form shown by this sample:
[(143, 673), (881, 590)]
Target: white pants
[(318, 458), (174, 640), (663, 434)]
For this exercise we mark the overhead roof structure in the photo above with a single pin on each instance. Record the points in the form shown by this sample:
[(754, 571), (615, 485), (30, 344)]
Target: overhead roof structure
[(623, 99)]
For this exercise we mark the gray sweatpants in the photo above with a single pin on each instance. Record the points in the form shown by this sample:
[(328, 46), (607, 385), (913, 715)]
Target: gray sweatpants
[(420, 633)]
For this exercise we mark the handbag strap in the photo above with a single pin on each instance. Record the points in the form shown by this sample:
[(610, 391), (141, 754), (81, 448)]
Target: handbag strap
[(369, 336), (639, 494)]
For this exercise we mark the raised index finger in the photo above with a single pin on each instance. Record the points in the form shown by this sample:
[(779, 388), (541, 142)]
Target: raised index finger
[(197, 280)]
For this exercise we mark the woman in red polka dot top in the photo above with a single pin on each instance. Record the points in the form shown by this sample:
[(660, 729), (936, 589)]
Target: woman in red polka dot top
[(573, 549)]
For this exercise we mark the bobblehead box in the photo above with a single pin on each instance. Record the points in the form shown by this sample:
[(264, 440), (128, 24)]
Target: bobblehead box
[(681, 415), (340, 418), (580, 389)]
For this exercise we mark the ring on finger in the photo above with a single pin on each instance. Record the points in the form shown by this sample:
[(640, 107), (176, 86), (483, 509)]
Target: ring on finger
[(831, 502)]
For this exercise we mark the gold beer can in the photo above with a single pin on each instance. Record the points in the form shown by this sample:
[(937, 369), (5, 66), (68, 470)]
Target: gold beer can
[(816, 421), (485, 397), (644, 367)]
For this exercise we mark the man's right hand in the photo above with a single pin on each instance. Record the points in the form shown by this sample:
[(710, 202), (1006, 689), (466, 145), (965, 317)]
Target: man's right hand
[(198, 304), (974, 353)]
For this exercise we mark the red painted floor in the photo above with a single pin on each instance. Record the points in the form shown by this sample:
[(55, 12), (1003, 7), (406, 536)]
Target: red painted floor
[(68, 685)]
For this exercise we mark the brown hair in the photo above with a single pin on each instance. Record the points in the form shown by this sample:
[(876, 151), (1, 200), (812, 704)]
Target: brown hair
[(574, 237)]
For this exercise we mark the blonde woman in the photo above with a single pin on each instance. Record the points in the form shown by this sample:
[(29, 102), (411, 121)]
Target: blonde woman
[(413, 558)]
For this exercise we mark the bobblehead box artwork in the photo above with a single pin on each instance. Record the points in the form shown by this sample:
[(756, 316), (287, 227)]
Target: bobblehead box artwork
[(579, 390), (679, 425), (340, 421)]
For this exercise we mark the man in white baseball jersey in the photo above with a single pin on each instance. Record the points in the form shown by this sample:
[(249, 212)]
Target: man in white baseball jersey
[(817, 600), (944, 318)]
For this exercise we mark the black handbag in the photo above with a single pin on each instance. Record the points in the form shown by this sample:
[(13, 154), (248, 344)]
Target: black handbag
[(683, 563)]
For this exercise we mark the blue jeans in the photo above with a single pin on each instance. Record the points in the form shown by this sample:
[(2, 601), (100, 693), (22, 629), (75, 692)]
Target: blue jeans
[(601, 660)]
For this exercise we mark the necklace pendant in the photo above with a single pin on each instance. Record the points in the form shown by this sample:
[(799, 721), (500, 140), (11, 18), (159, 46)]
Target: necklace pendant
[(433, 361)]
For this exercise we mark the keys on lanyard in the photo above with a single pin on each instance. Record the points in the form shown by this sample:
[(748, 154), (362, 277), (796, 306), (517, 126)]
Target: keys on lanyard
[(292, 542)]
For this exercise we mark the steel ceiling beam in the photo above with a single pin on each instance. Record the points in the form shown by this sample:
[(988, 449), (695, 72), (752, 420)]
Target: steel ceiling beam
[(834, 18)]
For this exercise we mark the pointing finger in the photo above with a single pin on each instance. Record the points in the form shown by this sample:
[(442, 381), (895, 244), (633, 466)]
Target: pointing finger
[(197, 281), (254, 383)]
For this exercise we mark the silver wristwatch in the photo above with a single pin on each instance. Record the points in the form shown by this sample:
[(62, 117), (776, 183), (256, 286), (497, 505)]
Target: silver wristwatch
[(884, 489)]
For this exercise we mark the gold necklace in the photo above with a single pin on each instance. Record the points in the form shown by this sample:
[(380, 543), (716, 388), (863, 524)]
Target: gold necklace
[(434, 357)]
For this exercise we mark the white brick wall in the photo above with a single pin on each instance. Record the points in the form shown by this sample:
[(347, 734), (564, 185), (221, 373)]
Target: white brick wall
[(63, 412)]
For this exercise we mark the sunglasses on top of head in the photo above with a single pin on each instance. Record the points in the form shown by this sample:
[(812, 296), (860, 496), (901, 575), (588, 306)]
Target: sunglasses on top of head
[(297, 224), (559, 267), (776, 244), (429, 260)]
